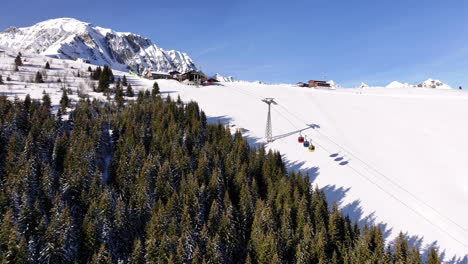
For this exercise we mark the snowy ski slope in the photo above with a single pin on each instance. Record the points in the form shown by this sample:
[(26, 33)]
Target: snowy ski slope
[(395, 157)]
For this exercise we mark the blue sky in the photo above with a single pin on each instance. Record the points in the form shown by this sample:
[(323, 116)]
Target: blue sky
[(287, 41)]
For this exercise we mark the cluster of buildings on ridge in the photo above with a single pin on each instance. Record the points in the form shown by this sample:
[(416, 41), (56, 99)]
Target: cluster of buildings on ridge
[(314, 84), (191, 77), (195, 77)]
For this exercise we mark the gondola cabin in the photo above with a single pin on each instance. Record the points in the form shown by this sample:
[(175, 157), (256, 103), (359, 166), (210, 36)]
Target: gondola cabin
[(311, 148), (300, 139)]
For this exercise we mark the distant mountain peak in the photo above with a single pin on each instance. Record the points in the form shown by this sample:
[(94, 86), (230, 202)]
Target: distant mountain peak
[(396, 84), (222, 78), (429, 83), (69, 38), (363, 85)]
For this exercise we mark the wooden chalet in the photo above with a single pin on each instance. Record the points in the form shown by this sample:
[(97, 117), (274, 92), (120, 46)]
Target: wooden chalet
[(157, 75), (317, 84), (212, 80), (196, 77), (174, 74)]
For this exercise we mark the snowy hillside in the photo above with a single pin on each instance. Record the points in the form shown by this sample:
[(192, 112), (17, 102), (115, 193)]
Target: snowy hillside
[(68, 38), (63, 74), (394, 157)]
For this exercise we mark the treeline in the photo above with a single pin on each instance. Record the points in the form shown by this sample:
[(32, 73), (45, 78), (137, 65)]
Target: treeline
[(105, 78), (152, 182)]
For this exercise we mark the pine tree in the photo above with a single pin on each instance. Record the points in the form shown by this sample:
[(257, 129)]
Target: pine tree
[(433, 257), (155, 90), (262, 236), (101, 257), (304, 251), (336, 227), (119, 95), (96, 75), (124, 81), (1, 79), (18, 61), (89, 69), (5, 231), (106, 77), (154, 232), (137, 253), (64, 101), (47, 66), (401, 249), (46, 102), (130, 91), (415, 257), (39, 78), (104, 83), (16, 249), (90, 232)]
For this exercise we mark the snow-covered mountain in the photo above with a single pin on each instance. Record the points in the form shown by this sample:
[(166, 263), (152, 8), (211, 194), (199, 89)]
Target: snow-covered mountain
[(396, 84), (222, 78), (430, 83), (68, 38)]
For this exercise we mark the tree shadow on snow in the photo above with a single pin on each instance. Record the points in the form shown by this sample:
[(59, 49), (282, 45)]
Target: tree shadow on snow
[(168, 92), (3, 93), (228, 121), (225, 120), (297, 166), (356, 213)]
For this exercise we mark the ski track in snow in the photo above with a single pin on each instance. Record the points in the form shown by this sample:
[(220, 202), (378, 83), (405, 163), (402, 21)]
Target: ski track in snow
[(394, 157)]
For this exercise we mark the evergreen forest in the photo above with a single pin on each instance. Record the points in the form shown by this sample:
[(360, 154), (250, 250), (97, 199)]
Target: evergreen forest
[(150, 181)]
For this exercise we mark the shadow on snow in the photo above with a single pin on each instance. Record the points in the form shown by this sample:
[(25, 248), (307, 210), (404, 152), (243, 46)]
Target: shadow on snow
[(337, 194)]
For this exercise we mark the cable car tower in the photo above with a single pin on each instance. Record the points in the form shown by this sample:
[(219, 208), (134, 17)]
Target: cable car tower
[(268, 129)]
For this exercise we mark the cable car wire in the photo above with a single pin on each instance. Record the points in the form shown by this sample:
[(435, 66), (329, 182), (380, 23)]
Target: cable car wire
[(371, 167)]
